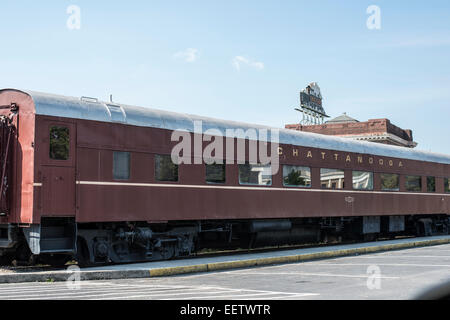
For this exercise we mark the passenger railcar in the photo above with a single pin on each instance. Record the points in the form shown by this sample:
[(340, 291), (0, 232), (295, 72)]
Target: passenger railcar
[(95, 180)]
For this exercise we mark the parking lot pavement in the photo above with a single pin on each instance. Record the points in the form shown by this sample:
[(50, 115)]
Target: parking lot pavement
[(388, 275), (137, 290)]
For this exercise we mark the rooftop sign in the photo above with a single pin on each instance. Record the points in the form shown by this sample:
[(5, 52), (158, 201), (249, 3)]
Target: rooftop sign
[(311, 105)]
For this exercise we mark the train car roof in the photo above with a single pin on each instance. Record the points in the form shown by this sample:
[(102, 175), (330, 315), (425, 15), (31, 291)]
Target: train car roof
[(92, 109)]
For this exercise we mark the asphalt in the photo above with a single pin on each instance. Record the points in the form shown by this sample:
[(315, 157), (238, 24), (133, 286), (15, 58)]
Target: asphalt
[(394, 275), (218, 263)]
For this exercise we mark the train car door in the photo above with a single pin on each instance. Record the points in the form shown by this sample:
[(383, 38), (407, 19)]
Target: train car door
[(58, 173)]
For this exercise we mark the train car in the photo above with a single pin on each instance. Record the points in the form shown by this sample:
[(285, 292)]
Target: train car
[(96, 181)]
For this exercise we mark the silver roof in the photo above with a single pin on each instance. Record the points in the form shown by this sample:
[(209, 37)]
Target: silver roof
[(89, 109), (342, 119)]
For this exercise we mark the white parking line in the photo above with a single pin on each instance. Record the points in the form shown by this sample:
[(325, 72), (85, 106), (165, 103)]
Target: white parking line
[(251, 295), (207, 292), (153, 294), (310, 274), (157, 297), (403, 256), (90, 283), (130, 293), (233, 296), (75, 294), (29, 285), (302, 295), (428, 249), (62, 288), (385, 264)]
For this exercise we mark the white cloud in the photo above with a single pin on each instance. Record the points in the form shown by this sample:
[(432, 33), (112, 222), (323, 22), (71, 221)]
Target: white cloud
[(238, 61), (188, 55)]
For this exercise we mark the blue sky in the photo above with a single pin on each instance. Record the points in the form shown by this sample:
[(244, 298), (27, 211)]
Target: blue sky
[(178, 55)]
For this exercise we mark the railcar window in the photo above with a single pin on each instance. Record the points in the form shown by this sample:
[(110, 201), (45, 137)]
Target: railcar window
[(255, 174), (215, 173), (362, 180), (447, 185), (59, 143), (165, 169), (413, 183), (332, 178), (431, 184), (390, 182), (121, 165), (294, 176)]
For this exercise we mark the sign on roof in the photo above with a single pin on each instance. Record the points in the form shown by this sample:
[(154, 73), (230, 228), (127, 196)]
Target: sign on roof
[(311, 97), (311, 105)]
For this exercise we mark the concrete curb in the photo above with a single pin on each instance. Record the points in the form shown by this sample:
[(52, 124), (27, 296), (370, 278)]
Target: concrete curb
[(57, 276)]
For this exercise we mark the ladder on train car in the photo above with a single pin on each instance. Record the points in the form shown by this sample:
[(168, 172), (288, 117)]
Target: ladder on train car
[(7, 131)]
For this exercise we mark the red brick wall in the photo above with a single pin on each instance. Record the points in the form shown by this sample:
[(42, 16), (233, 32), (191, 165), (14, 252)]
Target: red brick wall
[(371, 127)]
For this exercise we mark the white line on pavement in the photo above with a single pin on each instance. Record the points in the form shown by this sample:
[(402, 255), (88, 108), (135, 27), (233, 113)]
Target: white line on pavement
[(311, 274), (80, 293)]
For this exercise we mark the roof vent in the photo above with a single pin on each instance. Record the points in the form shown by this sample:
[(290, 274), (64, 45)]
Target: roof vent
[(89, 99)]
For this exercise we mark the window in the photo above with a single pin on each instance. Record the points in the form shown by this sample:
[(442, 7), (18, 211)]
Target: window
[(215, 173), (390, 182), (414, 183), (59, 143), (431, 184), (165, 169), (332, 178), (447, 185), (255, 174), (362, 180), (296, 176), (121, 165)]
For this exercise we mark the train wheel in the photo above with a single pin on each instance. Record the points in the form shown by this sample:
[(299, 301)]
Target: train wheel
[(168, 252), (23, 256)]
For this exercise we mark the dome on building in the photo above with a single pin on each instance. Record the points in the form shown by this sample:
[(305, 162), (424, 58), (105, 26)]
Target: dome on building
[(344, 118)]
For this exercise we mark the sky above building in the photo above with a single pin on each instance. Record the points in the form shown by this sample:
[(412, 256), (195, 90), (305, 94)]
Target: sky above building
[(243, 60)]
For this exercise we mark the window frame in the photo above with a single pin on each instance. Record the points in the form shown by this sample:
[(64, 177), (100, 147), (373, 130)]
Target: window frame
[(298, 186), (69, 144), (435, 186), (413, 176), (224, 166), (331, 188), (391, 174), (255, 184), (129, 165), (155, 172), (372, 174)]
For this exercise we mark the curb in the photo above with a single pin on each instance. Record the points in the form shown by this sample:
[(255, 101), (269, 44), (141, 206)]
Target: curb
[(161, 272), (59, 276)]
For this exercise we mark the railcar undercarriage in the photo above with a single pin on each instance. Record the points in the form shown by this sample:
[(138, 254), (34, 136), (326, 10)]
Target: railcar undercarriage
[(58, 240)]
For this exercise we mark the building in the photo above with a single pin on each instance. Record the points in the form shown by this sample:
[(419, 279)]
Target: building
[(374, 130)]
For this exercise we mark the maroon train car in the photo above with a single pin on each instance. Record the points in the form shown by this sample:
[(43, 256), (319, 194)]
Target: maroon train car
[(96, 180)]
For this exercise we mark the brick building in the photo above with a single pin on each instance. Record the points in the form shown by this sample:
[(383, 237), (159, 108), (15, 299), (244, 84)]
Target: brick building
[(375, 130)]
